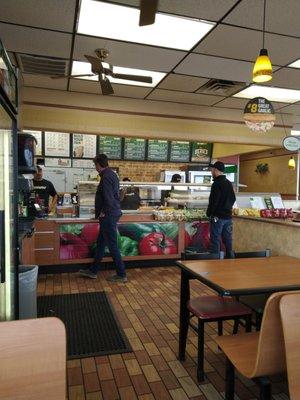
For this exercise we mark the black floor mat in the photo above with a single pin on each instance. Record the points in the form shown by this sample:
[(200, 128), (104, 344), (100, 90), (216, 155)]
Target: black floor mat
[(91, 324)]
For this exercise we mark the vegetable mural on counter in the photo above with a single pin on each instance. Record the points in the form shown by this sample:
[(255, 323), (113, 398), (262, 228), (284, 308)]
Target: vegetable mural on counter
[(197, 236), (78, 241)]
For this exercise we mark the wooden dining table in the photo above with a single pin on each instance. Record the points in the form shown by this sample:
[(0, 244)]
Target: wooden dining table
[(236, 277)]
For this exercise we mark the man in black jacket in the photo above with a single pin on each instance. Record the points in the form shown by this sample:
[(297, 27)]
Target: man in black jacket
[(108, 211), (219, 209)]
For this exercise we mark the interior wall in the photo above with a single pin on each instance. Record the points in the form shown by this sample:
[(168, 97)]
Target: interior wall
[(279, 178), (78, 112)]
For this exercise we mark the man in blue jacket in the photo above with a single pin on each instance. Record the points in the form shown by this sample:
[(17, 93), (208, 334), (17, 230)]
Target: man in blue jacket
[(219, 209), (108, 211)]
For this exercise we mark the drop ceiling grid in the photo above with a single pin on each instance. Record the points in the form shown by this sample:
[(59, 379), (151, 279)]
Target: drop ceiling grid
[(227, 52)]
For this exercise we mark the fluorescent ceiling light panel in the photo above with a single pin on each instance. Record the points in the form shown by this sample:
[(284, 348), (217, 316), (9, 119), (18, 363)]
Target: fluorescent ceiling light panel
[(80, 67), (270, 93), (295, 64), (122, 23)]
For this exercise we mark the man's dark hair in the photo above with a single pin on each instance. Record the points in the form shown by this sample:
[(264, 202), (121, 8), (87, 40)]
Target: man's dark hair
[(126, 179), (102, 160), (176, 178)]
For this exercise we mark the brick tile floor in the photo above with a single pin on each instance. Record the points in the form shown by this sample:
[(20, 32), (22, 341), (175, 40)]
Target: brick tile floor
[(148, 310)]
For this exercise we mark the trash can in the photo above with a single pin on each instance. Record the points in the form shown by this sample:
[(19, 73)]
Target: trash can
[(27, 291)]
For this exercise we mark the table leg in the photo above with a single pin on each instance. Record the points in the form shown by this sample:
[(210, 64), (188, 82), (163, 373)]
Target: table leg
[(184, 313)]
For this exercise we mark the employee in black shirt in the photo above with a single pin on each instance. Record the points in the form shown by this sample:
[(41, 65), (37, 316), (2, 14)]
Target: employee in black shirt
[(108, 211), (44, 190), (219, 209)]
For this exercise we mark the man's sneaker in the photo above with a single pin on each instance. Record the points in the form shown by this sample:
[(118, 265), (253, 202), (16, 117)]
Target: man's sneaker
[(87, 273), (117, 278)]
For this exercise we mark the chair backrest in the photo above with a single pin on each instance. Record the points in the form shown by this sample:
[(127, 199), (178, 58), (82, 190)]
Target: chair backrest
[(270, 358), (33, 359), (290, 317), (202, 256), (252, 254)]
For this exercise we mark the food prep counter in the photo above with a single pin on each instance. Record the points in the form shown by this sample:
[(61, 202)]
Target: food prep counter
[(140, 237), (281, 236)]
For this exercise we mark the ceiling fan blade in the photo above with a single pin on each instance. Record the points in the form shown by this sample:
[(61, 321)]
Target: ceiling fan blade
[(105, 86), (148, 10), (69, 76), (97, 67), (138, 78)]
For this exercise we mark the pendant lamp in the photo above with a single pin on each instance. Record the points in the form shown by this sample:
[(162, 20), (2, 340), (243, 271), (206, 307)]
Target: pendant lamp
[(262, 71), (292, 164)]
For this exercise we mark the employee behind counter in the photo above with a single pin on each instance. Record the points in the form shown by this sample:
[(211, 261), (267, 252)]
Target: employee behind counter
[(43, 190), (129, 197)]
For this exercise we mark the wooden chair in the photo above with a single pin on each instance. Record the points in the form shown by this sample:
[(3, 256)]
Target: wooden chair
[(33, 359), (212, 309), (255, 302), (290, 317), (256, 355)]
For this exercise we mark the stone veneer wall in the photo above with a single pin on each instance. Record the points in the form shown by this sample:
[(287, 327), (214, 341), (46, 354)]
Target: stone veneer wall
[(253, 235), (143, 170)]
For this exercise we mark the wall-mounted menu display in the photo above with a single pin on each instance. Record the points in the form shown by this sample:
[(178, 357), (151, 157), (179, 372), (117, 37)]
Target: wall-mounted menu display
[(201, 152), (180, 151), (58, 162), (157, 150), (111, 146), (38, 137), (57, 144), (84, 146), (83, 164), (134, 149)]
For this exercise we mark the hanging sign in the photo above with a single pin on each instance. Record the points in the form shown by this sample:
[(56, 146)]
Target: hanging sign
[(259, 114), (291, 143)]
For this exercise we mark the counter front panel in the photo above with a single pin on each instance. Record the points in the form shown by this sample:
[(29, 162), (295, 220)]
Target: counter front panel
[(74, 241)]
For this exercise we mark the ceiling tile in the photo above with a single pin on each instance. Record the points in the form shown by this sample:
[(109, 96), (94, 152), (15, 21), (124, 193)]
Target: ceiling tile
[(204, 9), (35, 41), (216, 67), (54, 14), (124, 54), (81, 85), (244, 44), (182, 97), (286, 78), (184, 83), (44, 82), (232, 102), (281, 17)]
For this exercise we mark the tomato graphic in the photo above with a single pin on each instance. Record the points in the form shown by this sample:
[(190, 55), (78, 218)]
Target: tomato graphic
[(72, 247), (89, 233), (157, 243)]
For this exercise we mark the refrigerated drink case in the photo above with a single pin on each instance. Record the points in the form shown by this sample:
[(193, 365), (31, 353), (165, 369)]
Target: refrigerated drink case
[(8, 189)]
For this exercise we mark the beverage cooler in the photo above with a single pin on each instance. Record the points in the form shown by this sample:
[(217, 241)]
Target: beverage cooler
[(8, 190)]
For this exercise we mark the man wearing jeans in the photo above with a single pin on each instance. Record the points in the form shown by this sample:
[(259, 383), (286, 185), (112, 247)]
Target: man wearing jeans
[(219, 209), (108, 211)]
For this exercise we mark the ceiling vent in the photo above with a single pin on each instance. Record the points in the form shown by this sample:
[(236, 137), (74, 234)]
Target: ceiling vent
[(42, 65), (221, 87)]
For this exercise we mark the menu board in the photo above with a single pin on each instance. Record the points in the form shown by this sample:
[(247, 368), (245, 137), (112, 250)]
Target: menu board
[(158, 150), (58, 162), (83, 163), (38, 137), (57, 144), (84, 146), (201, 152), (180, 151), (134, 149), (111, 146)]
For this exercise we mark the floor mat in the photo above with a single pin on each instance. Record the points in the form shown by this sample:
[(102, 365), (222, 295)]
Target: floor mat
[(91, 325)]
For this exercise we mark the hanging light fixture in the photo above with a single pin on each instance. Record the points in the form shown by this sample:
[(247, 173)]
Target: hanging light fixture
[(292, 164), (262, 71)]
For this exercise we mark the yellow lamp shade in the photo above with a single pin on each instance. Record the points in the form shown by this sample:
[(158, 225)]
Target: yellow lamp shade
[(292, 164), (262, 71)]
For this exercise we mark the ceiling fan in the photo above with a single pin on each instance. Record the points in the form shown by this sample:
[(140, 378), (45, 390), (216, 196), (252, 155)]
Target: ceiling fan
[(98, 69), (148, 10)]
